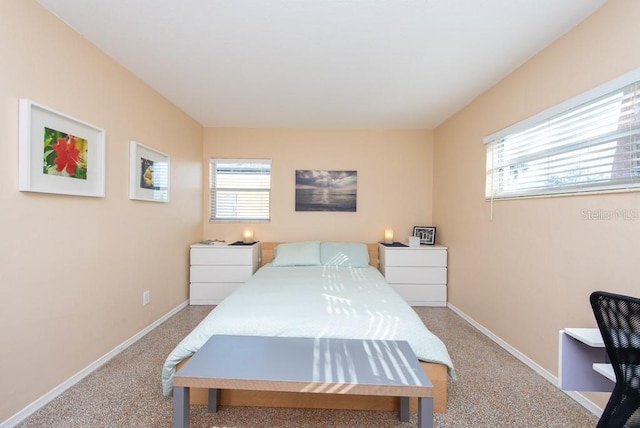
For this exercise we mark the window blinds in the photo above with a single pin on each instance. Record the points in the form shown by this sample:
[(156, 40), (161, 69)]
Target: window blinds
[(589, 143), (240, 189)]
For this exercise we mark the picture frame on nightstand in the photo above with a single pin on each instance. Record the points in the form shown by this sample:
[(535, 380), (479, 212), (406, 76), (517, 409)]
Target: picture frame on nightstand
[(427, 234)]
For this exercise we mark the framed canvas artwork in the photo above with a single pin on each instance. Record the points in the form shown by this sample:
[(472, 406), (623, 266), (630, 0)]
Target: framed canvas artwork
[(320, 190)]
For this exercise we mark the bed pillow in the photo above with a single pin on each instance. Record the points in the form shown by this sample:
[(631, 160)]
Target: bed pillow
[(347, 254), (297, 254)]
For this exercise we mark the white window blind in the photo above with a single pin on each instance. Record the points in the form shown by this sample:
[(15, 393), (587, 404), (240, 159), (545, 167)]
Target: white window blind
[(589, 143), (240, 189)]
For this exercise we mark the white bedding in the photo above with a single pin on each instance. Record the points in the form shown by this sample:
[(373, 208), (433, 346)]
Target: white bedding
[(313, 301)]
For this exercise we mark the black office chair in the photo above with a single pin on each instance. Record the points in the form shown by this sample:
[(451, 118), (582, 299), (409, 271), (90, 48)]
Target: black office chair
[(618, 319)]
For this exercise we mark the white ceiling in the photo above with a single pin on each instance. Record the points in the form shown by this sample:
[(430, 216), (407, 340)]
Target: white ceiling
[(321, 63)]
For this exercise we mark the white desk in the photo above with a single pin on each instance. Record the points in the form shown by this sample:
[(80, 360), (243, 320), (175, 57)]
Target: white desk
[(582, 361)]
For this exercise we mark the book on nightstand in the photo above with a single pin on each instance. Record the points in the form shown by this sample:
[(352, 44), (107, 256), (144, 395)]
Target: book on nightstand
[(212, 242)]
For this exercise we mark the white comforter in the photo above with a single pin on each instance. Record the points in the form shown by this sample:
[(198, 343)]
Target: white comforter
[(313, 301)]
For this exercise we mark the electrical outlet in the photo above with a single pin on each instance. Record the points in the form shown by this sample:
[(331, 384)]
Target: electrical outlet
[(146, 298)]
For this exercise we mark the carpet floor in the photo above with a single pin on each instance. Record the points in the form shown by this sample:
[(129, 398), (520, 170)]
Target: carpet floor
[(493, 389)]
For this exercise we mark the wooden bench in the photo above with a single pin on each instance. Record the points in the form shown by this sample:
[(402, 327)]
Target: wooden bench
[(320, 365)]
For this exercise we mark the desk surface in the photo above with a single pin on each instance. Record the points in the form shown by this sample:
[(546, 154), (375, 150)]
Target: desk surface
[(589, 336), (340, 366), (606, 370)]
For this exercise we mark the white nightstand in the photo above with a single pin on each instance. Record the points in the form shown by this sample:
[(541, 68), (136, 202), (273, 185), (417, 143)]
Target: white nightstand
[(419, 274), (217, 270)]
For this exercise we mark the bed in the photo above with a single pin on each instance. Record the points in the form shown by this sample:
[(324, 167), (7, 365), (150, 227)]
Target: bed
[(313, 289)]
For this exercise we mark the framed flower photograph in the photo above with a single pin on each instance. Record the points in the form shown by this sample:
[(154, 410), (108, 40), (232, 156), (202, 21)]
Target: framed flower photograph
[(427, 234), (59, 153), (149, 174)]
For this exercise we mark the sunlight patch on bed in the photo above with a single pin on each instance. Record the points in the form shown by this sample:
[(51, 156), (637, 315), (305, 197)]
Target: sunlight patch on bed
[(382, 325)]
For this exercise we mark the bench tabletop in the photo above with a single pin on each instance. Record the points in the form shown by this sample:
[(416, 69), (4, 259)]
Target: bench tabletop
[(328, 365)]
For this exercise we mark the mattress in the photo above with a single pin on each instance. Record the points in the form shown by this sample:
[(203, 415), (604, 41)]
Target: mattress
[(313, 301)]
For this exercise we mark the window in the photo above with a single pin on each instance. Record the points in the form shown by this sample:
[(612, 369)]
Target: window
[(240, 189), (589, 143)]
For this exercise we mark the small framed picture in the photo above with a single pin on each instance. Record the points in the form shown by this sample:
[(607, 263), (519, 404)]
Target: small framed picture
[(149, 174), (427, 234)]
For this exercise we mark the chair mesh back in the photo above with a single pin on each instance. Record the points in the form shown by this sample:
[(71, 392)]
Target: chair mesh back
[(618, 319)]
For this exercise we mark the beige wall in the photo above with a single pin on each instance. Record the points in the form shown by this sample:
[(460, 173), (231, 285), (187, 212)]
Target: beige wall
[(529, 272), (74, 268), (394, 181)]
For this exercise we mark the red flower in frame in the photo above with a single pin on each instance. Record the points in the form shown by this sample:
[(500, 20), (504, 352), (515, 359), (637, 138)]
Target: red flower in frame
[(67, 154)]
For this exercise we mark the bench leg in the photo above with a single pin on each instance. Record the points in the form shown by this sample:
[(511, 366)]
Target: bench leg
[(180, 407), (425, 412), (404, 409), (214, 395)]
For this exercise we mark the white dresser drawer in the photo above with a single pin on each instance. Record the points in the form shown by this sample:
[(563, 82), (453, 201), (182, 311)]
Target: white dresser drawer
[(415, 257), (220, 273), (216, 271), (208, 293), (415, 275), (422, 295), (223, 255), (418, 274)]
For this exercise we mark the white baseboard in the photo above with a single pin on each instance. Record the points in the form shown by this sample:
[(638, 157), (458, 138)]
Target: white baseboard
[(581, 399), (46, 398)]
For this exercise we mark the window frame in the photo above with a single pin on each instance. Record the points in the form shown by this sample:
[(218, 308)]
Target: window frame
[(492, 141), (213, 190)]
